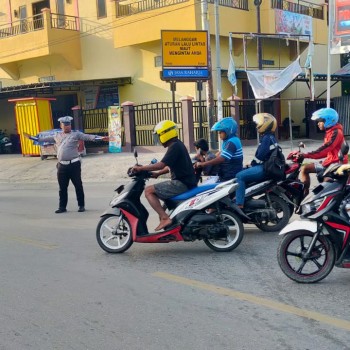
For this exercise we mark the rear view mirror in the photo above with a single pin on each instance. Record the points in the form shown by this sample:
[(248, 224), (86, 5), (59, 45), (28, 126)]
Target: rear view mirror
[(301, 145)]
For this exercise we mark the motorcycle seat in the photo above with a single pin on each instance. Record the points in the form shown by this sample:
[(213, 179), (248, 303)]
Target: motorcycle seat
[(194, 191)]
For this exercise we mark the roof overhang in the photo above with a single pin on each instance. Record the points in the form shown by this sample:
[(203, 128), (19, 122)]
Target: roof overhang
[(48, 88)]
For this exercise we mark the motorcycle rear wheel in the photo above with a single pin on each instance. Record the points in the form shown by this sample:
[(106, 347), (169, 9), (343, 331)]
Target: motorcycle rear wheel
[(283, 216), (305, 270), (235, 236), (114, 234)]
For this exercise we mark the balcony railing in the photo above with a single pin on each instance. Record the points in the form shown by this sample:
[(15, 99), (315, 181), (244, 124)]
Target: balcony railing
[(302, 7), (64, 22), (143, 6), (147, 5), (237, 4), (36, 22)]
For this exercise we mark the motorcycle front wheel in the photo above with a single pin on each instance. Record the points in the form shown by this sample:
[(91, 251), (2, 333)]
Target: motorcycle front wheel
[(234, 236), (114, 234), (282, 216), (303, 268)]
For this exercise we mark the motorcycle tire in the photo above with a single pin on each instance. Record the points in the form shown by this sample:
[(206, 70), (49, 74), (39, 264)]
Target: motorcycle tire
[(114, 234), (305, 270), (235, 236), (282, 208)]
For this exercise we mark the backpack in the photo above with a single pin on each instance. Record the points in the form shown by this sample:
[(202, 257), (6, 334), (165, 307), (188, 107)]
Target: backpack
[(274, 167)]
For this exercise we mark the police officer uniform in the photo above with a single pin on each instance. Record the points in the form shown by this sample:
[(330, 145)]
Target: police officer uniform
[(69, 164)]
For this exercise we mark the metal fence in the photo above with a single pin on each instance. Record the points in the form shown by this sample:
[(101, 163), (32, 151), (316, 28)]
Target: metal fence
[(302, 7), (150, 114)]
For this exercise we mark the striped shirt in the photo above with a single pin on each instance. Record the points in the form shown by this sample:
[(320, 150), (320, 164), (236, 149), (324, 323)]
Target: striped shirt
[(232, 152)]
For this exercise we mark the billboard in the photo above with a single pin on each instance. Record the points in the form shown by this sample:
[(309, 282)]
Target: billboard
[(340, 42)]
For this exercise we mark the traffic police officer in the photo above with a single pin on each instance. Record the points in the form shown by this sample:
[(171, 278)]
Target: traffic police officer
[(69, 165)]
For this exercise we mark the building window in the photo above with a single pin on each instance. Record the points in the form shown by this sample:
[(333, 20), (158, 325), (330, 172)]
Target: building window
[(101, 8)]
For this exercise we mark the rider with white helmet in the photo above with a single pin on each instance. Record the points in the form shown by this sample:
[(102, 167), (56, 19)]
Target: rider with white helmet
[(265, 125), (327, 119)]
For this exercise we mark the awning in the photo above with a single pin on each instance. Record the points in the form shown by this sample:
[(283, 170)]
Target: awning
[(48, 88)]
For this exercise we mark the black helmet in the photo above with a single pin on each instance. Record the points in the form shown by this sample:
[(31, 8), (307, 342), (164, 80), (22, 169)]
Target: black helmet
[(202, 144)]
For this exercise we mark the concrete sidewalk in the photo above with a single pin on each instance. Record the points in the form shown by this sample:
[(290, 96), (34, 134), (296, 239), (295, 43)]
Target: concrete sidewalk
[(104, 167)]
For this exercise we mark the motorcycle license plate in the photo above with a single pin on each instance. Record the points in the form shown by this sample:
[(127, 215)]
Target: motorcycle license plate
[(8, 144)]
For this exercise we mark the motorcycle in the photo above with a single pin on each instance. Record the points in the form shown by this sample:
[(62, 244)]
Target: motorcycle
[(292, 187), (125, 222), (265, 206), (310, 248), (5, 143)]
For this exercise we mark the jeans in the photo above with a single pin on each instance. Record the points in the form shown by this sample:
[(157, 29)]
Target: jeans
[(253, 174)]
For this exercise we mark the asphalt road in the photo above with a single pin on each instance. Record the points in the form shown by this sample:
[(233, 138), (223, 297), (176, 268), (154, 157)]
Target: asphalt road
[(59, 290)]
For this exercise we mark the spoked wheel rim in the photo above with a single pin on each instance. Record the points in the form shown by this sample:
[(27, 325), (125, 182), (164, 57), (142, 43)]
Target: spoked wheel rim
[(299, 262), (234, 235), (301, 267), (115, 233)]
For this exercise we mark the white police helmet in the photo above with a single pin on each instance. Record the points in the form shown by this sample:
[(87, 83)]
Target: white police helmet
[(65, 120)]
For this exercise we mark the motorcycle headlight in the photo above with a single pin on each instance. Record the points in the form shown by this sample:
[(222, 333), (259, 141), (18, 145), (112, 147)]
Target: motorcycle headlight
[(117, 198), (311, 208)]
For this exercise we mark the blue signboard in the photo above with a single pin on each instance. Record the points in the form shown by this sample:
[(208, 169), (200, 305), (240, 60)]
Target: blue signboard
[(185, 73)]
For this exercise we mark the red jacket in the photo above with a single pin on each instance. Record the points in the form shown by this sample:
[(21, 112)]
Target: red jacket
[(333, 140)]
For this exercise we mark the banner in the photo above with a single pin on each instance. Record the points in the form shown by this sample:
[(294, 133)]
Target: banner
[(114, 129), (292, 23), (267, 83), (231, 74)]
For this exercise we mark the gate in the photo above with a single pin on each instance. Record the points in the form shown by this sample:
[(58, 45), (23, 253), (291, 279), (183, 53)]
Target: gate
[(150, 114)]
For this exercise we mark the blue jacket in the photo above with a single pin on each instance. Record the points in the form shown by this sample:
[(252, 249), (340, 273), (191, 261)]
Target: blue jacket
[(267, 143)]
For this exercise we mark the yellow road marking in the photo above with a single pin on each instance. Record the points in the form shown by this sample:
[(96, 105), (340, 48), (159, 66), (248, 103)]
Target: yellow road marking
[(336, 322), (31, 242)]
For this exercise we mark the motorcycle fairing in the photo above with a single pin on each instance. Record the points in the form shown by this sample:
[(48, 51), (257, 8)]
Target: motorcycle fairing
[(300, 225), (257, 188), (172, 235), (340, 225), (205, 199), (139, 211)]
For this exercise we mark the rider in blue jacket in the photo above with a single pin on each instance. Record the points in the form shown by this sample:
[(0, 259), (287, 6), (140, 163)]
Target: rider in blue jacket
[(230, 158), (266, 125)]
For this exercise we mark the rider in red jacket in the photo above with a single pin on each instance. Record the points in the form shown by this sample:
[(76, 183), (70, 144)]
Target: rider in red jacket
[(327, 119)]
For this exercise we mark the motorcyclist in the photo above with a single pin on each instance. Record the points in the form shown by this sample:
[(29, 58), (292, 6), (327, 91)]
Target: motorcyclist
[(230, 158), (266, 125), (178, 161), (327, 119)]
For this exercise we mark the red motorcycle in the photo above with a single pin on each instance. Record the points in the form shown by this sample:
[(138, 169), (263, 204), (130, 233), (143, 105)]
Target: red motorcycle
[(310, 248), (292, 187)]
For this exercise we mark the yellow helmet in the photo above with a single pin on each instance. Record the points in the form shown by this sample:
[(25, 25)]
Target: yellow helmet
[(265, 122), (166, 130)]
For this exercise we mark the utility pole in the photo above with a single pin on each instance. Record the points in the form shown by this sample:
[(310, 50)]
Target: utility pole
[(257, 3), (209, 83), (218, 63)]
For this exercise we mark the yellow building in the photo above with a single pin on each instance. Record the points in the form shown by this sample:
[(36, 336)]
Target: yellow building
[(100, 53)]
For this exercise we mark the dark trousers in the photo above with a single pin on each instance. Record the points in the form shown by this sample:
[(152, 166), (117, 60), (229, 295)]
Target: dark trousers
[(64, 174)]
